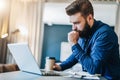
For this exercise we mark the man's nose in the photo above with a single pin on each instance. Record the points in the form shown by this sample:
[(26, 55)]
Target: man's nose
[(74, 27)]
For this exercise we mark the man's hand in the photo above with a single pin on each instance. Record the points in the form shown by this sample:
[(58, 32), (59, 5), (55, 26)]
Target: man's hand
[(57, 67), (73, 37)]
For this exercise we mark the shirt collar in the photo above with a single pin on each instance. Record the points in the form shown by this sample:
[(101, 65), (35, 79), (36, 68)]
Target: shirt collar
[(94, 27)]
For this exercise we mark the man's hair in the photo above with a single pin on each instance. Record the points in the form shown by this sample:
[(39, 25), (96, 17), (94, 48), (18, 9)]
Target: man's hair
[(83, 6)]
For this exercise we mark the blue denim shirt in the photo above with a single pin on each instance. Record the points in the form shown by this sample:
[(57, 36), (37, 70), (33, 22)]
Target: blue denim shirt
[(98, 54)]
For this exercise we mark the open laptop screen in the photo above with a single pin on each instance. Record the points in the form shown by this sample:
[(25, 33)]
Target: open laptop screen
[(24, 58)]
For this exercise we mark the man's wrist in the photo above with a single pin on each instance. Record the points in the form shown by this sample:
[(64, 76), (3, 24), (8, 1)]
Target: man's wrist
[(74, 46), (73, 43)]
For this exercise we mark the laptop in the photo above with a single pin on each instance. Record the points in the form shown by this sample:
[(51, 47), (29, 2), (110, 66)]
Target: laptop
[(25, 60)]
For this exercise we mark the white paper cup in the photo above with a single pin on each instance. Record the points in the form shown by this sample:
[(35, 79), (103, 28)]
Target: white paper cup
[(50, 61)]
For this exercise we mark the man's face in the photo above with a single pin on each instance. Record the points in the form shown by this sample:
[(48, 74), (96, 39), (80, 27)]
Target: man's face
[(80, 24)]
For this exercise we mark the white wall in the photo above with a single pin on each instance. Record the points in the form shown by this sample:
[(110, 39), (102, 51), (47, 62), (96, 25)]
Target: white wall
[(55, 13)]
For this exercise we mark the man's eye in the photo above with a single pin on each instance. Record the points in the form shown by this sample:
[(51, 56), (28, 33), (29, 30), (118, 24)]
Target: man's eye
[(75, 23), (78, 23)]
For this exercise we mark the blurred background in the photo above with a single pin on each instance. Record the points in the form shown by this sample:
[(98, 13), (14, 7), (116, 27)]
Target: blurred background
[(44, 25)]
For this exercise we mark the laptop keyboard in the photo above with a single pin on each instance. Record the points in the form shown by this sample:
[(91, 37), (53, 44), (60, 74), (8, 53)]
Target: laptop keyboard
[(50, 73)]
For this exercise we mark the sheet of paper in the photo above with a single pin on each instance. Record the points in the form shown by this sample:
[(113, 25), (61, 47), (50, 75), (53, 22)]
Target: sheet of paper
[(93, 78), (81, 74)]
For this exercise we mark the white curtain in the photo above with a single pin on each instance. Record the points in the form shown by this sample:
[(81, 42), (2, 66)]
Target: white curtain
[(26, 24), (4, 21)]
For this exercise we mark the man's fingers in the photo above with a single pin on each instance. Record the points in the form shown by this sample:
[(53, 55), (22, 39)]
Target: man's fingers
[(54, 67)]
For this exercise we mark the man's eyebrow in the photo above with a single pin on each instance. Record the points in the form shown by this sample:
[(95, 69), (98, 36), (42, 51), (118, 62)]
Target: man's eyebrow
[(75, 22)]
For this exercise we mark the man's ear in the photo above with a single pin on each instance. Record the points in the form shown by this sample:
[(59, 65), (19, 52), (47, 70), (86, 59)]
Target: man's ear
[(90, 19)]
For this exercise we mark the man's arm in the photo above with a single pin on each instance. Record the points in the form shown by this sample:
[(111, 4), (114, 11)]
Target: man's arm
[(102, 48), (69, 62)]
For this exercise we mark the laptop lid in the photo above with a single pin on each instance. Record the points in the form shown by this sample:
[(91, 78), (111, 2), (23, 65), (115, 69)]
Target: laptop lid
[(24, 58)]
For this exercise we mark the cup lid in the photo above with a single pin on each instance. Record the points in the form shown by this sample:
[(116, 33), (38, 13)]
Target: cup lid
[(50, 58)]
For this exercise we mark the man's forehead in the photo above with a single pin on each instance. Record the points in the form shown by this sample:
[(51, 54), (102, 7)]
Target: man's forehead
[(75, 18)]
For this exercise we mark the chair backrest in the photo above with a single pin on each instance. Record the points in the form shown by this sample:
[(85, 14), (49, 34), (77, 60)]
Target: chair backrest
[(65, 51)]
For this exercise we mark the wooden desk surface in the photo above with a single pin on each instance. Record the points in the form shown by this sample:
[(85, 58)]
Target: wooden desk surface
[(19, 75)]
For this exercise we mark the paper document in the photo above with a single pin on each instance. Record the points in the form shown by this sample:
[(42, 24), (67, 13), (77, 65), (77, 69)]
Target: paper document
[(83, 75)]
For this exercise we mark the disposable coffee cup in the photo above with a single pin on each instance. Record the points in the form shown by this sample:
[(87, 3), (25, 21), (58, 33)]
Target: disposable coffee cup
[(50, 61)]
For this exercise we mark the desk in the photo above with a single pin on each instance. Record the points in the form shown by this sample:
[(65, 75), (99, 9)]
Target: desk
[(19, 75)]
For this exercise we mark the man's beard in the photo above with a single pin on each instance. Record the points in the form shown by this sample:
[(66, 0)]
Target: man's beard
[(86, 31)]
